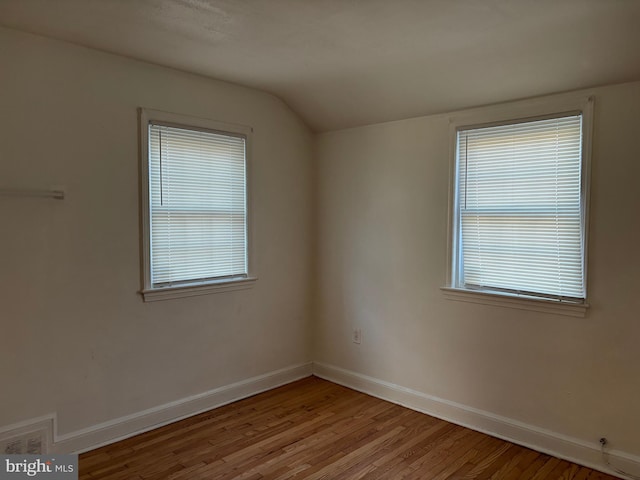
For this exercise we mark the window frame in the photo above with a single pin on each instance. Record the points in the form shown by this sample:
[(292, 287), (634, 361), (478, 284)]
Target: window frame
[(519, 112), (148, 291)]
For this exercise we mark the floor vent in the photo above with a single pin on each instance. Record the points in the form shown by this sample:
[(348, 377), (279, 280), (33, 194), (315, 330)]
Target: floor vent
[(31, 439)]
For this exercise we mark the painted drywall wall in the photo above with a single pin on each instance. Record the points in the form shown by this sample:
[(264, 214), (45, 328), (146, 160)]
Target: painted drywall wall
[(76, 337), (383, 211)]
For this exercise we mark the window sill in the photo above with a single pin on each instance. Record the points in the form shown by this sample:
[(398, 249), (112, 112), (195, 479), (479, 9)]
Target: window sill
[(514, 301), (227, 285)]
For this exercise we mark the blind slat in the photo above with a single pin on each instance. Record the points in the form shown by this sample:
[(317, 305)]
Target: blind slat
[(520, 194), (197, 185)]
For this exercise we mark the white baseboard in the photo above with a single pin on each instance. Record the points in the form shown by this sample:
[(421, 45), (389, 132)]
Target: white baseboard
[(140, 422), (562, 446), (569, 448)]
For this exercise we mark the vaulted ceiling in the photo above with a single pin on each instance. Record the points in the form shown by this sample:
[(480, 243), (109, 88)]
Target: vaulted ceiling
[(342, 63)]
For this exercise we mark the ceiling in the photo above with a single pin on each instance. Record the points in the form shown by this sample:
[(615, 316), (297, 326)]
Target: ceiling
[(343, 63)]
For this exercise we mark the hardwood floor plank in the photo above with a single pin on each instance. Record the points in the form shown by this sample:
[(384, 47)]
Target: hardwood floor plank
[(518, 469), (313, 429), (455, 452)]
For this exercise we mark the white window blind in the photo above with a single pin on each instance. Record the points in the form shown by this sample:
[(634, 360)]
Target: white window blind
[(197, 205), (520, 208)]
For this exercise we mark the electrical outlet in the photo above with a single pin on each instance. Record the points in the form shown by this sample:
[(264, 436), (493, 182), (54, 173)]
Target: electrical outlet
[(357, 335)]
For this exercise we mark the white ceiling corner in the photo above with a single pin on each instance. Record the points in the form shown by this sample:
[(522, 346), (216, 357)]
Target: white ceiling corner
[(343, 63)]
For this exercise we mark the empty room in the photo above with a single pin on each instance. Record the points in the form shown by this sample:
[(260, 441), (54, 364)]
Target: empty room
[(320, 239)]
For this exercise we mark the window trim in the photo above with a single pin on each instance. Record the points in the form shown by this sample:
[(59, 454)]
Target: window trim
[(148, 291), (527, 110)]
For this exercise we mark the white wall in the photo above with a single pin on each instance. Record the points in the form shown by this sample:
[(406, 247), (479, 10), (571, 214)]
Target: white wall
[(75, 337), (383, 199)]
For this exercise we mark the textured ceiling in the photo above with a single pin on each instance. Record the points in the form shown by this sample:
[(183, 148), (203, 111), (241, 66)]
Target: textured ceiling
[(342, 63)]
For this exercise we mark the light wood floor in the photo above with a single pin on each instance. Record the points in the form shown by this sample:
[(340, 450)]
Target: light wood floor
[(314, 429)]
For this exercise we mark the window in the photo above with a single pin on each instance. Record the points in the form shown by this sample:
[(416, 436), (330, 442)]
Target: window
[(519, 216), (195, 227)]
